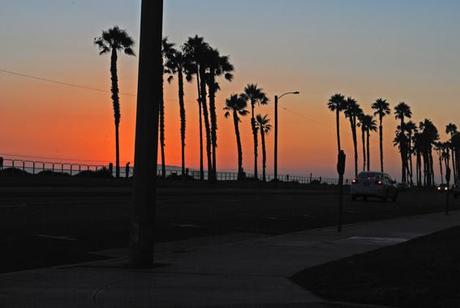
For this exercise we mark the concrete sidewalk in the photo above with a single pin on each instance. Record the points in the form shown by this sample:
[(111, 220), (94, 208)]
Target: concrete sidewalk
[(235, 270)]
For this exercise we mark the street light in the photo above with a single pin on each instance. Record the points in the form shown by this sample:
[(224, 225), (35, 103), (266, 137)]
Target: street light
[(276, 130)]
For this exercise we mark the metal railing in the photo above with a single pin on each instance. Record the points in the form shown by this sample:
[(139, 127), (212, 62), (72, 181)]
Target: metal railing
[(40, 167)]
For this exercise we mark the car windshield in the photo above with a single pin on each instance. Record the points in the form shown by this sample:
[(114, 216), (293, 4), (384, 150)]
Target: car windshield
[(373, 175)]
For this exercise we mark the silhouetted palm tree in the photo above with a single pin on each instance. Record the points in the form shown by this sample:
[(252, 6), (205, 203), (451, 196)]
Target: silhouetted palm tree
[(264, 126), (217, 66), (402, 141), (236, 106), (167, 49), (195, 50), (411, 128), (382, 108), (451, 129), (429, 135), (255, 96), (402, 111), (115, 40), (353, 112), (336, 103), (371, 126), (362, 125), (178, 64)]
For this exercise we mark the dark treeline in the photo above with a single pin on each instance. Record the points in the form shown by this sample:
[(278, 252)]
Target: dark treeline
[(193, 61), (414, 142)]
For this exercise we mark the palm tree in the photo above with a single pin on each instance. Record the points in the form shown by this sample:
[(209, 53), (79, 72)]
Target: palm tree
[(411, 128), (195, 49), (382, 108), (114, 41), (217, 66), (371, 126), (402, 111), (429, 135), (353, 112), (362, 125), (336, 103), (264, 126), (167, 49), (452, 130), (255, 96), (177, 64), (402, 141), (236, 106)]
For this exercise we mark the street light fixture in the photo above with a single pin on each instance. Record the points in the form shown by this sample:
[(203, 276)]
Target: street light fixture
[(277, 98)]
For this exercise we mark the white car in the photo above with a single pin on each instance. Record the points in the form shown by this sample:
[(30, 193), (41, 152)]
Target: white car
[(374, 184)]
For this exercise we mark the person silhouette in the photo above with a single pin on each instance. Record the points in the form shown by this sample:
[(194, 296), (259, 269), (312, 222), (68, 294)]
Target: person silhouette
[(127, 169), (111, 169)]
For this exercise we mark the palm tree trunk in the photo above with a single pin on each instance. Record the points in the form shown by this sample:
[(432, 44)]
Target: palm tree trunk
[(116, 108), (254, 134), (117, 149), (337, 121), (182, 117), (454, 164), (381, 143), (162, 137), (200, 115), (368, 150), (238, 145), (432, 168), (212, 108), (419, 169), (411, 167), (355, 142), (363, 141), (440, 167), (264, 155), (207, 125)]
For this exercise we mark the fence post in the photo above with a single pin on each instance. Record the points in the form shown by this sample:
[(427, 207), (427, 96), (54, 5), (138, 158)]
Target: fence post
[(71, 169), (62, 168), (33, 167)]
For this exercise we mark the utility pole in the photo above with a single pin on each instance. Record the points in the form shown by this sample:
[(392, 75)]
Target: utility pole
[(146, 143)]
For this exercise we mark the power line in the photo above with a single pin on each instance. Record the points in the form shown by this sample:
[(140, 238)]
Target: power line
[(302, 116), (58, 82)]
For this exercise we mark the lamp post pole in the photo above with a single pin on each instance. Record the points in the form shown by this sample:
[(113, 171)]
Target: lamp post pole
[(275, 156)]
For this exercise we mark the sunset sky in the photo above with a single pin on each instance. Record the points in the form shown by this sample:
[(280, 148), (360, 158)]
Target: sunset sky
[(400, 50)]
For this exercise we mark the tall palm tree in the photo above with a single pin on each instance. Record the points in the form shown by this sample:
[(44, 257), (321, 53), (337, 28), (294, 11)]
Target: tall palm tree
[(402, 111), (402, 141), (217, 66), (256, 96), (167, 49), (362, 125), (382, 108), (236, 106), (195, 50), (452, 130), (371, 126), (177, 64), (113, 41), (264, 126), (336, 104), (429, 136), (411, 129), (353, 112)]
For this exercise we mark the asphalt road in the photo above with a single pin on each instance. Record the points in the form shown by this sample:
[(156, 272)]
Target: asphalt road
[(47, 226)]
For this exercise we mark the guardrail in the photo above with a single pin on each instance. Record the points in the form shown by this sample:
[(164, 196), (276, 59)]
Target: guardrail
[(37, 167)]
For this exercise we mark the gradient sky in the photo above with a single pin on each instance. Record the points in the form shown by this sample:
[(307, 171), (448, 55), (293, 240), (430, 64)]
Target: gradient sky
[(400, 50)]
